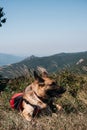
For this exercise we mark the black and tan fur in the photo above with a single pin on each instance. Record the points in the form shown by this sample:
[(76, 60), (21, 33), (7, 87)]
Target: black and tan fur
[(39, 94)]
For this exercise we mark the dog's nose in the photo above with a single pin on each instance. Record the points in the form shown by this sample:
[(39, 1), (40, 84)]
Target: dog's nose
[(61, 90)]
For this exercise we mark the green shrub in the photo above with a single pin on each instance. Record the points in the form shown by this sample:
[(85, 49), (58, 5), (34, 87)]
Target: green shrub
[(71, 81)]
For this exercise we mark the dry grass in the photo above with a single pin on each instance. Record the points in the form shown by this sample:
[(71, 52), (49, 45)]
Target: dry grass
[(63, 120), (13, 121), (73, 116), (10, 120)]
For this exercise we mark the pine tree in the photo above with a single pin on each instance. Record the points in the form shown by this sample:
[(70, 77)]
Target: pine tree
[(2, 20)]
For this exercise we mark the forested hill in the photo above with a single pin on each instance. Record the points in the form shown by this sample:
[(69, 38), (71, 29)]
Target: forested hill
[(57, 61), (72, 61)]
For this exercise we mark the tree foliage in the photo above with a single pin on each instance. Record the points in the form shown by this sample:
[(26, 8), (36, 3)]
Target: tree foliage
[(2, 19)]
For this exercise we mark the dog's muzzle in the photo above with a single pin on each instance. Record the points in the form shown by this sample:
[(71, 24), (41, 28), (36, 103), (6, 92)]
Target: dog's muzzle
[(55, 92)]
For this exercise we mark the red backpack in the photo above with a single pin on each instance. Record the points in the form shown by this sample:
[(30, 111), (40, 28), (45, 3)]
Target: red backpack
[(16, 101)]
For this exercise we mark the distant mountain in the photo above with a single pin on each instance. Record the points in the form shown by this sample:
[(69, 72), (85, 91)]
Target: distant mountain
[(55, 62), (6, 59), (73, 61)]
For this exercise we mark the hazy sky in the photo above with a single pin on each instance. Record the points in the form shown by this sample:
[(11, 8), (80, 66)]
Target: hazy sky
[(43, 27)]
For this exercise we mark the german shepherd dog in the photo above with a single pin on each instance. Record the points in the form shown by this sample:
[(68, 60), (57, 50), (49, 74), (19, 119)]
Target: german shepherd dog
[(39, 95)]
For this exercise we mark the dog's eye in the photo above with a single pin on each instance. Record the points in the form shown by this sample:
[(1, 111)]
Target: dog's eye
[(53, 83), (41, 84)]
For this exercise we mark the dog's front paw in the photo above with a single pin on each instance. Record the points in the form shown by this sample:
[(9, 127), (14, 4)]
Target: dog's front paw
[(28, 119), (58, 107), (53, 108), (26, 116)]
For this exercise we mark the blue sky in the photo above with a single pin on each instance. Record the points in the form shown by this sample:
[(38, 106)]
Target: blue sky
[(44, 27)]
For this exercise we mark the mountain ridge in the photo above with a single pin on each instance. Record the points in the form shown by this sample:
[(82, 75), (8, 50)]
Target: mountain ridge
[(57, 60), (52, 63)]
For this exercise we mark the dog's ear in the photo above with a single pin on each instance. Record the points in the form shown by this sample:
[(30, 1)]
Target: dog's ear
[(42, 71), (37, 77)]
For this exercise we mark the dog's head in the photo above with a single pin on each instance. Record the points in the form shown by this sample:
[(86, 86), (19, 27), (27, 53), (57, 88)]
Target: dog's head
[(46, 87)]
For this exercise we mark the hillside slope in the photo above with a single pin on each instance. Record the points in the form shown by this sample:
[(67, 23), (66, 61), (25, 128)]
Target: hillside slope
[(72, 61), (55, 62)]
